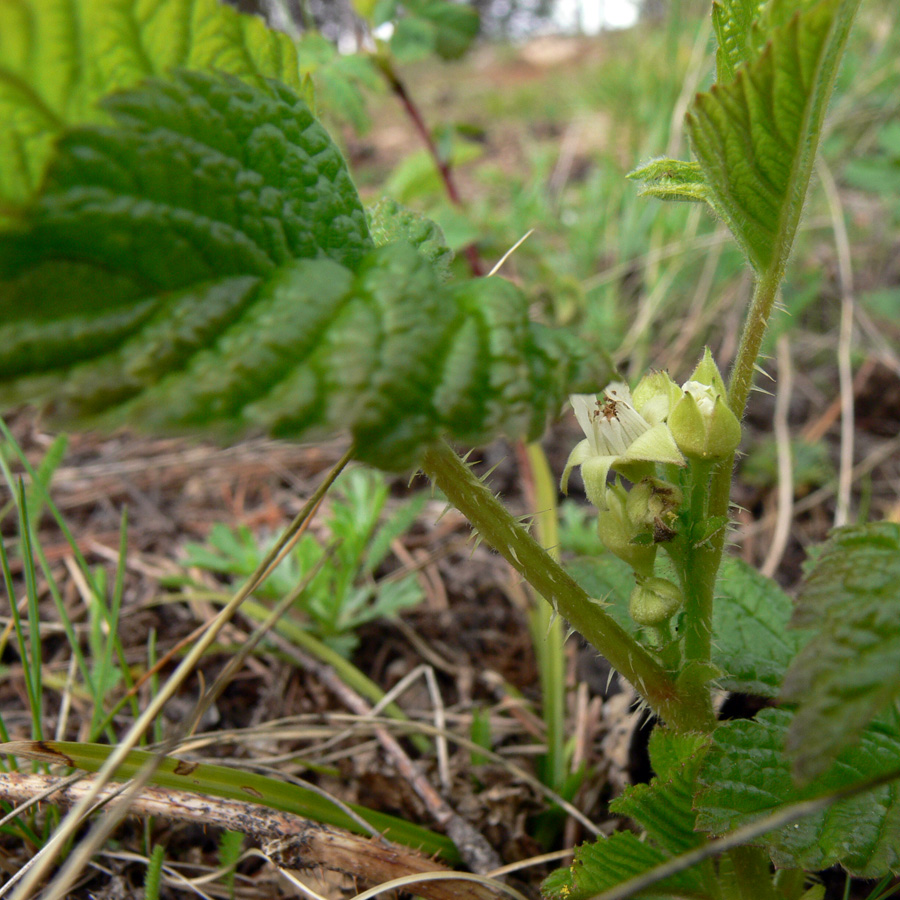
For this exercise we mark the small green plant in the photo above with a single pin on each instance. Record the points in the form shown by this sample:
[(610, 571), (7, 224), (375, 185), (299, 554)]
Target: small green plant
[(343, 593), (204, 263)]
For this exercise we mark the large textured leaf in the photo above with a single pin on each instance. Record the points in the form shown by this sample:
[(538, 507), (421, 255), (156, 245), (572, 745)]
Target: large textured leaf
[(58, 57), (204, 264), (755, 136), (752, 644), (602, 865), (746, 775), (389, 221), (850, 671), (664, 808)]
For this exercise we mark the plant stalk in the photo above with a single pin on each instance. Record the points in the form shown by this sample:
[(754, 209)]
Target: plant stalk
[(386, 67), (548, 635), (700, 567), (501, 531)]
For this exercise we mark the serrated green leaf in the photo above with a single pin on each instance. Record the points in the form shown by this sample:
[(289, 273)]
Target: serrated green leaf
[(755, 137), (389, 221), (848, 673), (745, 776), (664, 808), (751, 640), (610, 861), (672, 179), (160, 281), (733, 22), (59, 57)]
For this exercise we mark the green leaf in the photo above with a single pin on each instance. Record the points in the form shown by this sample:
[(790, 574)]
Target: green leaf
[(607, 578), (672, 179), (389, 221), (456, 26), (733, 22), (59, 57), (413, 39), (755, 137), (609, 861), (746, 776), (340, 79), (848, 673), (234, 784), (167, 253), (751, 641), (664, 808)]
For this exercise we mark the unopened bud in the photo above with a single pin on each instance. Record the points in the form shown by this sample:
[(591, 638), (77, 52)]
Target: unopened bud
[(702, 423), (654, 601), (618, 531), (653, 500)]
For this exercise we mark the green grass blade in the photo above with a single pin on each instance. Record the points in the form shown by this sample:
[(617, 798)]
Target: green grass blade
[(233, 784)]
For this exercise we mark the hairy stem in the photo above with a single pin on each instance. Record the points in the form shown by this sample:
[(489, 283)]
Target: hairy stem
[(495, 524), (700, 566)]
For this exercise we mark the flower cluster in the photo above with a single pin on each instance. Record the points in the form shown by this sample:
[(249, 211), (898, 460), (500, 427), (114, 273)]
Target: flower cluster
[(660, 423), (630, 434)]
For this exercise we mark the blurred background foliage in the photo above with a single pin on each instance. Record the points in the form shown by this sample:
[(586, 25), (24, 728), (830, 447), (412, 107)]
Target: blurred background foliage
[(539, 124)]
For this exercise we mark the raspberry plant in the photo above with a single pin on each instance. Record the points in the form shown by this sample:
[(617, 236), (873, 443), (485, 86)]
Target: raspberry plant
[(183, 249)]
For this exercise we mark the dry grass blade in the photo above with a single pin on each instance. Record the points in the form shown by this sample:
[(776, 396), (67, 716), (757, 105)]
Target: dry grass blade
[(63, 881)]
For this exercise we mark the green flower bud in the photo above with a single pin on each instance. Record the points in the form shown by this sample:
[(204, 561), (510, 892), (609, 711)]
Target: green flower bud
[(655, 396), (702, 423), (654, 503), (707, 372), (654, 601), (617, 531)]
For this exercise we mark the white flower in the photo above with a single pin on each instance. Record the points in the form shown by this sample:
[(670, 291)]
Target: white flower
[(615, 434)]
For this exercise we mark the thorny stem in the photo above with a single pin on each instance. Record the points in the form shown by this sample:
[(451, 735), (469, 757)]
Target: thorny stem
[(498, 527), (443, 166)]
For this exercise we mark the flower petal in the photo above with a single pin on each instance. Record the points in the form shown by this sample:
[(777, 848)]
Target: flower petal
[(593, 474), (580, 452), (656, 445)]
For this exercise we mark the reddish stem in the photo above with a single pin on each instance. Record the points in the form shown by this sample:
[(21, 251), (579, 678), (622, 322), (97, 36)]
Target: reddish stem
[(443, 165)]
